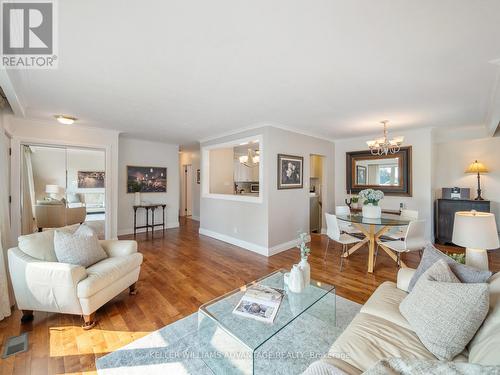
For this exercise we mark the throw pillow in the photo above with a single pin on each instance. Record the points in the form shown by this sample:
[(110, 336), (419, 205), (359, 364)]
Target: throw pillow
[(465, 273), (81, 248), (444, 313)]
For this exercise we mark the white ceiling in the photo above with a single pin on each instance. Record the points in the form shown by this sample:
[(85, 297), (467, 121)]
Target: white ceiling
[(185, 70)]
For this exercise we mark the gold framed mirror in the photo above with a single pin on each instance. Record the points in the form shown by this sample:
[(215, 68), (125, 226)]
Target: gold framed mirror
[(390, 173)]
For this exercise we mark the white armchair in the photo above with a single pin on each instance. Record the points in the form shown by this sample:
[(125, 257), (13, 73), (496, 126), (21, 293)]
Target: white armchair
[(42, 284)]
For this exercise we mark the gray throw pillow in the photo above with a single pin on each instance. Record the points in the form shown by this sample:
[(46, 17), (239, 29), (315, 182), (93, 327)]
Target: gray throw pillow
[(81, 248), (464, 273), (445, 313)]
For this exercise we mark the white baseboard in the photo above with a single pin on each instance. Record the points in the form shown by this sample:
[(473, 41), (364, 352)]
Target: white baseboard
[(285, 246), (168, 225), (235, 241), (197, 218)]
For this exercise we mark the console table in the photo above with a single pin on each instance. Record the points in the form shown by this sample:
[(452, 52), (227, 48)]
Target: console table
[(152, 208)]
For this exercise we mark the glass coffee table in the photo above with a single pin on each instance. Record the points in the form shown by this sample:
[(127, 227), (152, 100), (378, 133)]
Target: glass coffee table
[(233, 344)]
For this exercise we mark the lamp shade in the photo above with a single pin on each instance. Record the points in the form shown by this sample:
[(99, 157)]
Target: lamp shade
[(475, 230), (52, 189), (477, 167)]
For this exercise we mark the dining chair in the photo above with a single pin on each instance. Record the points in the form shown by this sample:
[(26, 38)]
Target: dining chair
[(345, 226), (414, 240), (398, 233), (334, 234)]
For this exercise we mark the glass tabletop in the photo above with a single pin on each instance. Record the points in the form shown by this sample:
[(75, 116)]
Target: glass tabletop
[(385, 220), (253, 333)]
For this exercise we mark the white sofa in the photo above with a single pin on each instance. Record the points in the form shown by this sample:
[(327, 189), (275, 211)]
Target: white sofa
[(42, 284), (379, 331)]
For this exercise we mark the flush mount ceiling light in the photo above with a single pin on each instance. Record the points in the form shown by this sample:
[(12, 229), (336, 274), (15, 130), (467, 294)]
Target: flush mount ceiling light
[(66, 120), (384, 146)]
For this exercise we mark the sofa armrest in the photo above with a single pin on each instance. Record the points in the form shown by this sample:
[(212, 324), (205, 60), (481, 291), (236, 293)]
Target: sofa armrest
[(119, 248), (404, 277), (44, 286)]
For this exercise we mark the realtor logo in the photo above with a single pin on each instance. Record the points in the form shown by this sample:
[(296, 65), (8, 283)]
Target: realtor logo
[(28, 35)]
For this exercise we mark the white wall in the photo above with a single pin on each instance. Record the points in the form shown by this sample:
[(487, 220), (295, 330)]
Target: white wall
[(269, 226), (289, 208), (155, 154), (422, 164), (191, 157), (242, 223), (51, 133), (452, 158)]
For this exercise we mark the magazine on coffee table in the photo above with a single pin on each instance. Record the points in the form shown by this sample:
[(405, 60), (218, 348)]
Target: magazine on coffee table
[(260, 302)]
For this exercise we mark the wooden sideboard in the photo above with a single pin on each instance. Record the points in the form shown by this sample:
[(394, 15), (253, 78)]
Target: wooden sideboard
[(444, 215)]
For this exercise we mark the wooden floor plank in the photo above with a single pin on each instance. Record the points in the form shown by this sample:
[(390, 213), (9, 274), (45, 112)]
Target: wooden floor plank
[(181, 271)]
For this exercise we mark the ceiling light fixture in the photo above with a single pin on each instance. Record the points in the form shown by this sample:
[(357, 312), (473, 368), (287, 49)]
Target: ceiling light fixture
[(65, 120), (385, 146)]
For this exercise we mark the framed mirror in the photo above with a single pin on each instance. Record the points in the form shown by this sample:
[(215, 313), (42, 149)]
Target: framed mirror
[(390, 173)]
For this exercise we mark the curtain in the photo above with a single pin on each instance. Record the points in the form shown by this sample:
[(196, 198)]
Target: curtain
[(28, 200), (5, 304)]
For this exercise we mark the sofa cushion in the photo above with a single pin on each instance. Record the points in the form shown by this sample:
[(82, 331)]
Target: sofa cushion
[(443, 312), (81, 248), (464, 273), (105, 272), (323, 367), (484, 348), (384, 303), (370, 338), (40, 245)]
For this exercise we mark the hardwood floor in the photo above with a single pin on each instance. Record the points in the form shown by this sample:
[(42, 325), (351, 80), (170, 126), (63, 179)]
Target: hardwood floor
[(180, 272)]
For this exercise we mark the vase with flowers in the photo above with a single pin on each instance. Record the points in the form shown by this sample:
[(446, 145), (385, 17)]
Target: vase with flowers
[(304, 254), (371, 199)]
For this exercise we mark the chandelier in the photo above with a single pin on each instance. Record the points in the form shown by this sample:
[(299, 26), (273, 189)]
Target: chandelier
[(385, 146), (251, 159)]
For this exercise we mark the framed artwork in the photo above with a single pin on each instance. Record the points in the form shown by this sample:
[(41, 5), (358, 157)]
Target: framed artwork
[(290, 172), (361, 175), (198, 176), (90, 180), (146, 179)]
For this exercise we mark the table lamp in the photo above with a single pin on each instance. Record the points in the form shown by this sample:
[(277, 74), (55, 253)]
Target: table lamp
[(52, 190), (477, 232), (477, 167)]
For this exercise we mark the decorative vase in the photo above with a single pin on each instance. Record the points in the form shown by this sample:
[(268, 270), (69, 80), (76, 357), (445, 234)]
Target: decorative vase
[(354, 205), (296, 280), (306, 271), (137, 199), (372, 212)]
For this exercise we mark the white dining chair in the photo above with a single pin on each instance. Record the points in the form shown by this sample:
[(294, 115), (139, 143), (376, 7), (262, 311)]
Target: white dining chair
[(345, 226), (334, 234), (414, 240), (398, 233)]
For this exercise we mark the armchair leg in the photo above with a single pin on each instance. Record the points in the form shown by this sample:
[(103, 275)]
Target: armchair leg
[(133, 289), (27, 316), (89, 321)]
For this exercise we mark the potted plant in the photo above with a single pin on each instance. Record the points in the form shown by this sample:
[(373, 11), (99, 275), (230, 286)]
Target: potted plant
[(371, 208), (354, 201)]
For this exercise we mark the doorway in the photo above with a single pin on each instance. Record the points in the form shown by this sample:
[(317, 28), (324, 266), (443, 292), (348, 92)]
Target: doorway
[(316, 182), (62, 186), (187, 189)]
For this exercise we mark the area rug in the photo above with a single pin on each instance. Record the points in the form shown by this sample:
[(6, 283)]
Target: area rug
[(181, 348)]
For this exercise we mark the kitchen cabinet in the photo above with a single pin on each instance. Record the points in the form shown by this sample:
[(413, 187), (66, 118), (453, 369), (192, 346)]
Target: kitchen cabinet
[(242, 173)]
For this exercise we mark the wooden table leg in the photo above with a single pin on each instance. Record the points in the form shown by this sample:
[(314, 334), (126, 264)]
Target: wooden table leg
[(152, 222), (371, 248), (392, 255), (135, 221)]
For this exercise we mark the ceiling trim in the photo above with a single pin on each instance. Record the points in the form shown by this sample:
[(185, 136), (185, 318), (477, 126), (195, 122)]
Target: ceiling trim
[(262, 125), (493, 111), (12, 97)]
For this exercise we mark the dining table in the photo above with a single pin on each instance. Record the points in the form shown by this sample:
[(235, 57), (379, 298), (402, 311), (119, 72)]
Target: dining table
[(373, 229)]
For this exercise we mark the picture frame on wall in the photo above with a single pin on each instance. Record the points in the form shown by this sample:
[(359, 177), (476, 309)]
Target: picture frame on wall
[(290, 172), (91, 179), (146, 179), (198, 176), (361, 175)]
